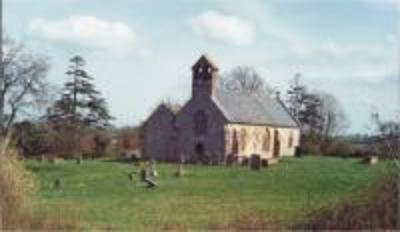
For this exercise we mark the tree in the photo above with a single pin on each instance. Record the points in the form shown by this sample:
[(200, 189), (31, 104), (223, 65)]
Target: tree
[(387, 139), (305, 107), (80, 104), (310, 116), (320, 116), (33, 138), (333, 115), (23, 86), (317, 112), (244, 79), (295, 96)]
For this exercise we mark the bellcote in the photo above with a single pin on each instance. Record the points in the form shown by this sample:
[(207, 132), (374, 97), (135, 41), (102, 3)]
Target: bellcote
[(204, 73), (204, 63)]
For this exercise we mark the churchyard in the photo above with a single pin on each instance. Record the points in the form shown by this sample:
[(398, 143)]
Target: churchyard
[(102, 193)]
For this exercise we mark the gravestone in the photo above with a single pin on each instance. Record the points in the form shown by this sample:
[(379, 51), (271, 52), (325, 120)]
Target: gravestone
[(272, 161), (145, 178), (264, 162), (55, 160), (297, 151), (180, 171), (57, 183), (231, 159), (244, 161), (255, 162), (79, 160), (371, 160), (130, 176), (153, 170), (205, 159), (143, 174)]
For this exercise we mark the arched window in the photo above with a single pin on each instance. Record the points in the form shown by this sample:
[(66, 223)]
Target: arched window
[(290, 140), (200, 123), (277, 144), (243, 138), (235, 143), (267, 140)]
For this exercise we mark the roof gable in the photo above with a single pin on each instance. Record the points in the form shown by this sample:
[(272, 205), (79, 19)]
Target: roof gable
[(195, 104), (162, 109)]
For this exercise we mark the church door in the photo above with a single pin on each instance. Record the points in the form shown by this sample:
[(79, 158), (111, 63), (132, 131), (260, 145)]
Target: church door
[(200, 149), (200, 153), (277, 144)]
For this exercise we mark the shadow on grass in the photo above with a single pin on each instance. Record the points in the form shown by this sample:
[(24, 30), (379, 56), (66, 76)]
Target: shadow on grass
[(46, 168), (120, 161)]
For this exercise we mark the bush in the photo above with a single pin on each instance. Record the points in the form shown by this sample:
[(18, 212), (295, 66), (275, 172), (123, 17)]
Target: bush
[(326, 146), (16, 185), (16, 197), (33, 138), (379, 212), (310, 147), (338, 148)]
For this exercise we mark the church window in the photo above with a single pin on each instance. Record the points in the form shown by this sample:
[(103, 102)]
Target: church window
[(243, 137), (235, 143), (200, 123), (267, 139), (290, 140)]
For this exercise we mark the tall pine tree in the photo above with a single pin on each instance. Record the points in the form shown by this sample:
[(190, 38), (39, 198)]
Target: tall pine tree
[(80, 104)]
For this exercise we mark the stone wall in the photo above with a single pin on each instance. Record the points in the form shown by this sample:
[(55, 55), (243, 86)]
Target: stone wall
[(284, 135), (245, 140), (162, 142), (213, 141), (159, 134)]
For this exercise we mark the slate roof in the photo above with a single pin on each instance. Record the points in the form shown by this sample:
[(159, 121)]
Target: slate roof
[(253, 109)]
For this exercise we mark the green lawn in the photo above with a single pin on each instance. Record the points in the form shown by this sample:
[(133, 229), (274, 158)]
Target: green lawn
[(100, 193)]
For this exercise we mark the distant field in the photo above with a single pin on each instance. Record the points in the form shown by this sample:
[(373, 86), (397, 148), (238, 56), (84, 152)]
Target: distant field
[(100, 193)]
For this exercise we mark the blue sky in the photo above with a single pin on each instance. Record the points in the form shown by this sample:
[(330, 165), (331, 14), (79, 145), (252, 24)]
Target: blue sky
[(140, 51)]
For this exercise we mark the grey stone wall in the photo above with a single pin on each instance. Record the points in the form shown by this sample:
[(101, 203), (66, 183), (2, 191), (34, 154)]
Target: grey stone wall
[(213, 142), (158, 135)]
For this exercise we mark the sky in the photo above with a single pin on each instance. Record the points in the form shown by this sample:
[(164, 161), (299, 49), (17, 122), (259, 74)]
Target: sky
[(140, 51)]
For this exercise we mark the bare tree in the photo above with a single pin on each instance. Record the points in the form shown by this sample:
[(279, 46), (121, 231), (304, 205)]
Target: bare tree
[(333, 116), (23, 87), (295, 96), (387, 140), (387, 144), (317, 112), (244, 79)]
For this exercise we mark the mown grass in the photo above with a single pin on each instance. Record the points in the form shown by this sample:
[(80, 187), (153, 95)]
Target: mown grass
[(100, 193)]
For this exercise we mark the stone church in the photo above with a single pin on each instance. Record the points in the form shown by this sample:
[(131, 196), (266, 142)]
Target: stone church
[(216, 124)]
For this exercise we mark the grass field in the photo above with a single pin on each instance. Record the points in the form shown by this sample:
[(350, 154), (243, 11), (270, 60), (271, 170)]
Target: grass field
[(100, 193)]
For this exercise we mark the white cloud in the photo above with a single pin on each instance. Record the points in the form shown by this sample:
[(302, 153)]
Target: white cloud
[(87, 31), (334, 48), (388, 4), (383, 2), (227, 28)]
